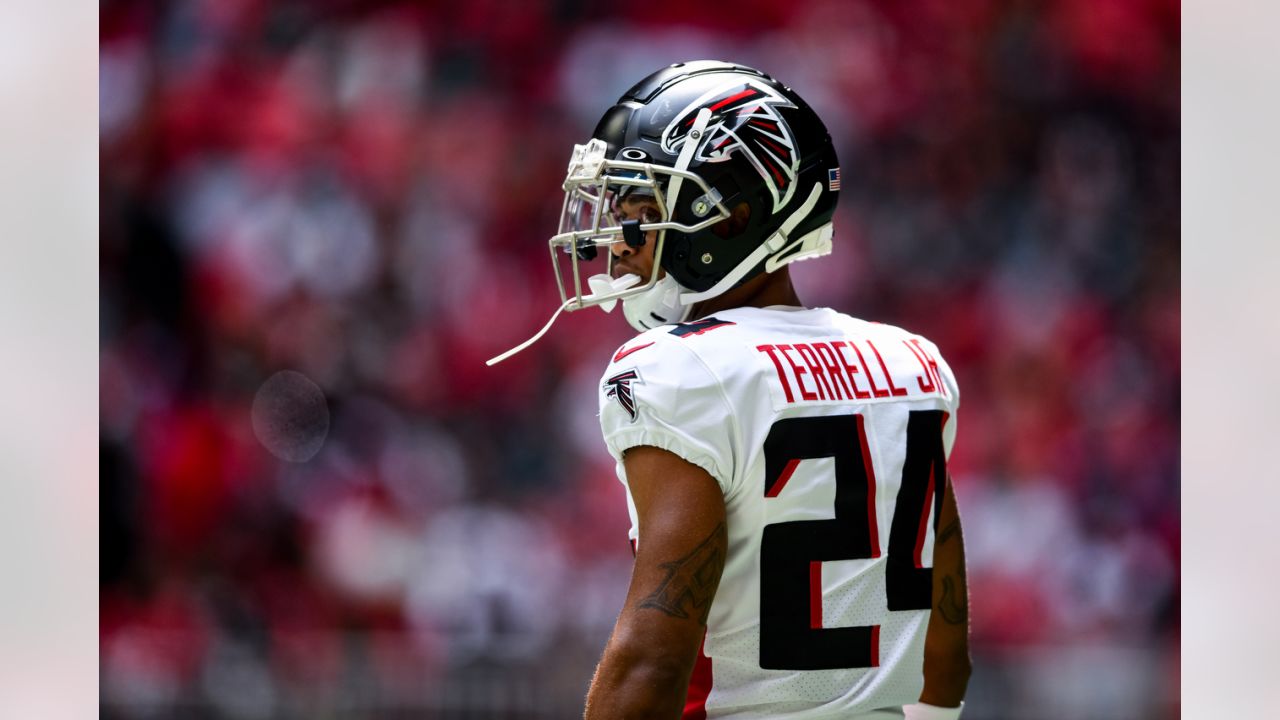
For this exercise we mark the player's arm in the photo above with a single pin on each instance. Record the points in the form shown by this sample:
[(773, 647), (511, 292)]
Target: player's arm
[(679, 559), (946, 651)]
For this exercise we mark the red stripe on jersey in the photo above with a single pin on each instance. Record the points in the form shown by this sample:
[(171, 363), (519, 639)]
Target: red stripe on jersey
[(872, 525), (924, 520), (695, 704), (623, 352), (782, 479), (815, 594), (875, 646)]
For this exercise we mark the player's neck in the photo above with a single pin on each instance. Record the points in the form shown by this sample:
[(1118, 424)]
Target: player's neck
[(766, 289)]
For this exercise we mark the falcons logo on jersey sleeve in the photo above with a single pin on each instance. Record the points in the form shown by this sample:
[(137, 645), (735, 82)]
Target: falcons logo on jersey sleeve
[(744, 119), (618, 388)]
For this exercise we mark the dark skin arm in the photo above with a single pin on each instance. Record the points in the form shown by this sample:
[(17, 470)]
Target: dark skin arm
[(679, 559), (946, 650)]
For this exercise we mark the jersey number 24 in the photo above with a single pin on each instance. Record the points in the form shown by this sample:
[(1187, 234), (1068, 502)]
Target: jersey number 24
[(792, 553)]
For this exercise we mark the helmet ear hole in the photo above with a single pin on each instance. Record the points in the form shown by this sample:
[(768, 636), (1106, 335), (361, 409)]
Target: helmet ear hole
[(735, 224)]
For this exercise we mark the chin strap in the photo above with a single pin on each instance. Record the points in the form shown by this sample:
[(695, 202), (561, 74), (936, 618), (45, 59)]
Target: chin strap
[(685, 157), (660, 305), (776, 242), (814, 243)]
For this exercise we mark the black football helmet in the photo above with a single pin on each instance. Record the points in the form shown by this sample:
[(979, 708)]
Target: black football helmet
[(707, 141)]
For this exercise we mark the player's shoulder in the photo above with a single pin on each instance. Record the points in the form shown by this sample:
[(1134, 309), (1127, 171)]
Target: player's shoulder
[(881, 331), (644, 348), (656, 384), (893, 343), (920, 349)]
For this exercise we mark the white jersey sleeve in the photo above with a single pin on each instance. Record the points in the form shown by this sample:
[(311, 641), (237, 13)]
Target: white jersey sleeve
[(657, 392)]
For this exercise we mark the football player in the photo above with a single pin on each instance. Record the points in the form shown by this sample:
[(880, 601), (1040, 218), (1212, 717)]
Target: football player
[(798, 551)]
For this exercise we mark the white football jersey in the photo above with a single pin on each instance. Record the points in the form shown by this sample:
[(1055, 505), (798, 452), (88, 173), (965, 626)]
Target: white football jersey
[(829, 437)]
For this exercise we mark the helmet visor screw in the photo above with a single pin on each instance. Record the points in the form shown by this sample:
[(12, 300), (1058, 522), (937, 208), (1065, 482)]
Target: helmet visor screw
[(700, 208), (706, 258)]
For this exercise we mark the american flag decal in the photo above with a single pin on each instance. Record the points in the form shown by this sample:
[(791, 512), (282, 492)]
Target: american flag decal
[(833, 179)]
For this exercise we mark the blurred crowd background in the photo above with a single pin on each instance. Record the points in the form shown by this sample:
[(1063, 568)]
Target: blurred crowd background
[(362, 192)]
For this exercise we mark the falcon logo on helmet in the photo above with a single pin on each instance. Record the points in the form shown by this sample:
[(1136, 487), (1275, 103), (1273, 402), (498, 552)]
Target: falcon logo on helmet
[(618, 388), (744, 118)]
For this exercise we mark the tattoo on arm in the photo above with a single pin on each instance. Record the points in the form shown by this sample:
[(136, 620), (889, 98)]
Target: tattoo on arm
[(954, 605), (951, 530), (691, 581)]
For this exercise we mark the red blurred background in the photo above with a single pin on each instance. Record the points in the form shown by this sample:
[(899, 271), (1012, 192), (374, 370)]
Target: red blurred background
[(362, 192)]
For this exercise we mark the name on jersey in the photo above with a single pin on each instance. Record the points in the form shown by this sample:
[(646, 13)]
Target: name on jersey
[(834, 370)]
